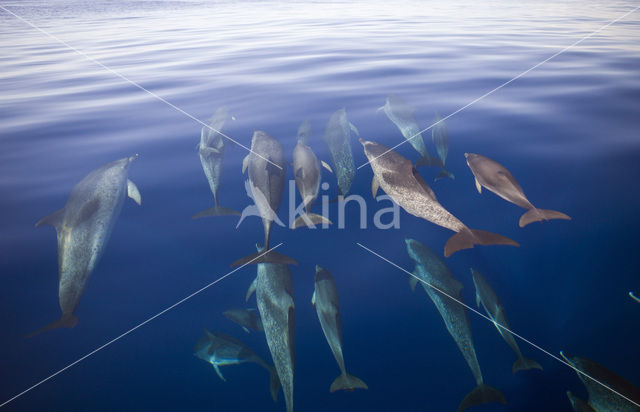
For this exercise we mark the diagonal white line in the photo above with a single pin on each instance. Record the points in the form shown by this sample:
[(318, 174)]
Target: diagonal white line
[(471, 103), (139, 86), (137, 326), (496, 323)]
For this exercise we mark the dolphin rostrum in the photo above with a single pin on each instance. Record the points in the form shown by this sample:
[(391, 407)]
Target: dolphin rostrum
[(222, 350), (325, 299), (579, 405), (431, 270), (486, 297), (401, 114), (274, 293), (400, 180), (601, 398), (304, 131), (247, 318), (211, 150), (83, 227), (336, 136), (306, 170), (267, 171), (440, 138), (499, 180)]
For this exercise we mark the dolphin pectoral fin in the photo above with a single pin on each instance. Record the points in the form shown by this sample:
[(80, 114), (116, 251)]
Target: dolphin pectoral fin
[(252, 288), (523, 364), (245, 329), (354, 129), (54, 219), (313, 298), (245, 163), (538, 215), (133, 192), (216, 211), (478, 186), (218, 371), (326, 166), (347, 382), (380, 109), (481, 395), (413, 281), (66, 321), (375, 185)]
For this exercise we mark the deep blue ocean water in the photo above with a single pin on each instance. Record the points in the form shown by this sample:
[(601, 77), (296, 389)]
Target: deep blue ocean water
[(567, 130)]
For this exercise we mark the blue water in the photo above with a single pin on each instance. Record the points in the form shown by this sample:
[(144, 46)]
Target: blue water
[(568, 131)]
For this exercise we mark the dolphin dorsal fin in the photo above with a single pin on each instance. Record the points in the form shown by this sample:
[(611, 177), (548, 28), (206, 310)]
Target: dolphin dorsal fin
[(133, 192), (245, 163), (326, 166), (54, 219), (313, 298), (478, 186), (252, 288), (375, 185)]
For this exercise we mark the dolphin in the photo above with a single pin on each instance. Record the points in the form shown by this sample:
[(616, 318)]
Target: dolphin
[(247, 318), (222, 350), (578, 404), (486, 297), (336, 136), (440, 138), (634, 297), (267, 172), (401, 114), (304, 131), (325, 299), (274, 293), (306, 170), (431, 270), (83, 227), (400, 180), (498, 179), (600, 398), (211, 150)]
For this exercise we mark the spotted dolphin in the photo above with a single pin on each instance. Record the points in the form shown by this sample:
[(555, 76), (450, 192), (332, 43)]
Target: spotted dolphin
[(325, 299), (211, 150), (336, 136), (247, 318), (267, 173), (440, 137), (274, 293), (601, 398), (499, 180), (400, 180), (83, 227), (401, 114), (486, 297), (431, 270), (222, 350), (306, 169)]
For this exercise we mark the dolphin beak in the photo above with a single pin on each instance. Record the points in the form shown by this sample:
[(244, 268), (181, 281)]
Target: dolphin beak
[(466, 155), (362, 141)]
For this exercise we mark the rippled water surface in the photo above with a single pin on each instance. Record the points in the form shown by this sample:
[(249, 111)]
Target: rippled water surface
[(84, 83)]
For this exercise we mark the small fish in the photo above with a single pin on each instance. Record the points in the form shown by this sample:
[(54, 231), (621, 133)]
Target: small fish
[(247, 318), (440, 138)]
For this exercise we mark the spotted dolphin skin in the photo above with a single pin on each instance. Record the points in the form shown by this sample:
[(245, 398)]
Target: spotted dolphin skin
[(222, 350), (440, 137), (267, 173), (247, 318), (83, 227), (325, 299), (486, 297), (499, 180), (400, 180), (401, 114), (306, 169), (431, 270), (211, 150), (336, 136), (274, 294)]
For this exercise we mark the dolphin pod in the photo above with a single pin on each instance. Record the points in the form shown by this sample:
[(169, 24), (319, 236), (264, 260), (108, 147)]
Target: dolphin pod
[(211, 150), (325, 299), (499, 180), (273, 286), (486, 297), (222, 350), (601, 398), (83, 227), (433, 272), (400, 180)]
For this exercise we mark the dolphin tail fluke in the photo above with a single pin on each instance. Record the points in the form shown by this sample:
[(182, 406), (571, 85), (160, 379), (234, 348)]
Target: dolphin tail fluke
[(346, 382), (444, 173), (313, 218), (538, 215), (427, 160), (216, 211), (66, 321), (274, 383), (467, 238), (268, 256), (481, 395), (523, 364)]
